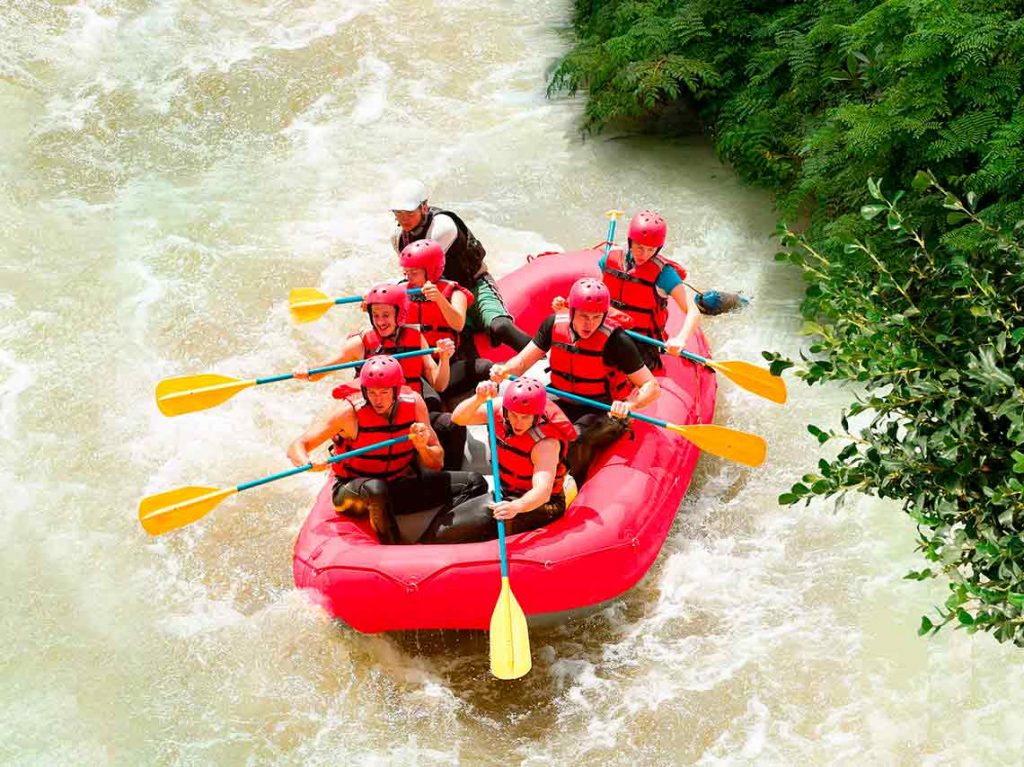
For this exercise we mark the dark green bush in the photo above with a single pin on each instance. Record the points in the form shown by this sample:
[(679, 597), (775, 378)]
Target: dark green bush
[(916, 296)]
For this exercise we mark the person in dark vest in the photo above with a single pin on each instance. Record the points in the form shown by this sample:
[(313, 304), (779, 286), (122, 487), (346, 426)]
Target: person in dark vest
[(464, 259), (533, 437), (440, 311), (641, 281), (400, 479), (590, 358)]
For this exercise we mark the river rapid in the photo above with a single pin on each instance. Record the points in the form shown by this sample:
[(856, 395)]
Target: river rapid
[(168, 171)]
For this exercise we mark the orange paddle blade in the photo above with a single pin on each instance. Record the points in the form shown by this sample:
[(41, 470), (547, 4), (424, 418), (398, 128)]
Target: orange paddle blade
[(308, 304), (188, 394), (739, 446), (509, 637), (753, 378), (172, 509)]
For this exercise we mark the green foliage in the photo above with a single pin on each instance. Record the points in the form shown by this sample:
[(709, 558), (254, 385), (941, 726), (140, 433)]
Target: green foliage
[(809, 99), (916, 297), (931, 326)]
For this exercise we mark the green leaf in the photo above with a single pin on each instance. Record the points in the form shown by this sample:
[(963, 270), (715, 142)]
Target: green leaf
[(921, 181), (919, 576), (868, 212), (926, 626), (847, 452), (788, 499), (1018, 465), (778, 366), (820, 435)]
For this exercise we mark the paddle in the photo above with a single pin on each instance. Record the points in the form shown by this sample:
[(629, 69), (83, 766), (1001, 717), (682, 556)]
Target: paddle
[(309, 304), (510, 638), (172, 509), (613, 216), (189, 394), (708, 302), (735, 445), (746, 374)]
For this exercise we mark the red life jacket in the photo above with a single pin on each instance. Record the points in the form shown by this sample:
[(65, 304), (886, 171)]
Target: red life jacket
[(388, 463), (577, 364), (427, 315), (635, 292), (407, 339), (515, 467)]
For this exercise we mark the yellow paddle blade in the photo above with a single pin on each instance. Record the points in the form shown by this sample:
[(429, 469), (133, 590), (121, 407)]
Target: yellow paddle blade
[(570, 489), (308, 304), (735, 445), (188, 394), (510, 639), (752, 378), (168, 511)]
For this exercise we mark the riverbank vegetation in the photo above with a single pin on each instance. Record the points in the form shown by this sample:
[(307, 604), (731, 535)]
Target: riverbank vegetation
[(893, 133)]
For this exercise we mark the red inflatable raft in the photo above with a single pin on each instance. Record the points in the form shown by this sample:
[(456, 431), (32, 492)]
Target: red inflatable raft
[(607, 540)]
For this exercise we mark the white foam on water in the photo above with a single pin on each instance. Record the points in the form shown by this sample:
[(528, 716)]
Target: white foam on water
[(205, 616), (15, 378), (91, 30), (194, 162), (372, 98)]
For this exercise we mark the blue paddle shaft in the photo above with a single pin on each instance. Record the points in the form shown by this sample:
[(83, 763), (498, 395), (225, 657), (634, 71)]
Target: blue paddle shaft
[(343, 366), (497, 484), (655, 342), (602, 406), (333, 459), (358, 299), (610, 239)]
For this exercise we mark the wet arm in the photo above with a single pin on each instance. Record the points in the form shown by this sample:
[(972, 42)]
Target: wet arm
[(686, 301), (431, 455), (339, 418)]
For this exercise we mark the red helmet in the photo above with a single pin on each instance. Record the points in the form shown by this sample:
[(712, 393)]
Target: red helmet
[(589, 295), (381, 372), (424, 254), (525, 396), (390, 295), (648, 228)]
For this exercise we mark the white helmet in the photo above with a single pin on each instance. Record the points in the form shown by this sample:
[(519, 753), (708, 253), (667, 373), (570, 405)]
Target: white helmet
[(408, 194)]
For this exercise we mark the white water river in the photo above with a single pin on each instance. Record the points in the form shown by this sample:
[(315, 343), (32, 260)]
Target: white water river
[(168, 170)]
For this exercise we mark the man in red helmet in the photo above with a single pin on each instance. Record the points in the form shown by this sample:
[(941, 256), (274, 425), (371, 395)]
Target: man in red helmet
[(641, 281), (589, 358), (532, 437), (387, 307), (417, 220), (439, 310), (400, 479)]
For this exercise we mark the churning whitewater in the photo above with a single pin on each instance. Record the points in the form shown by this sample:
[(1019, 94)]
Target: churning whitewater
[(169, 171)]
